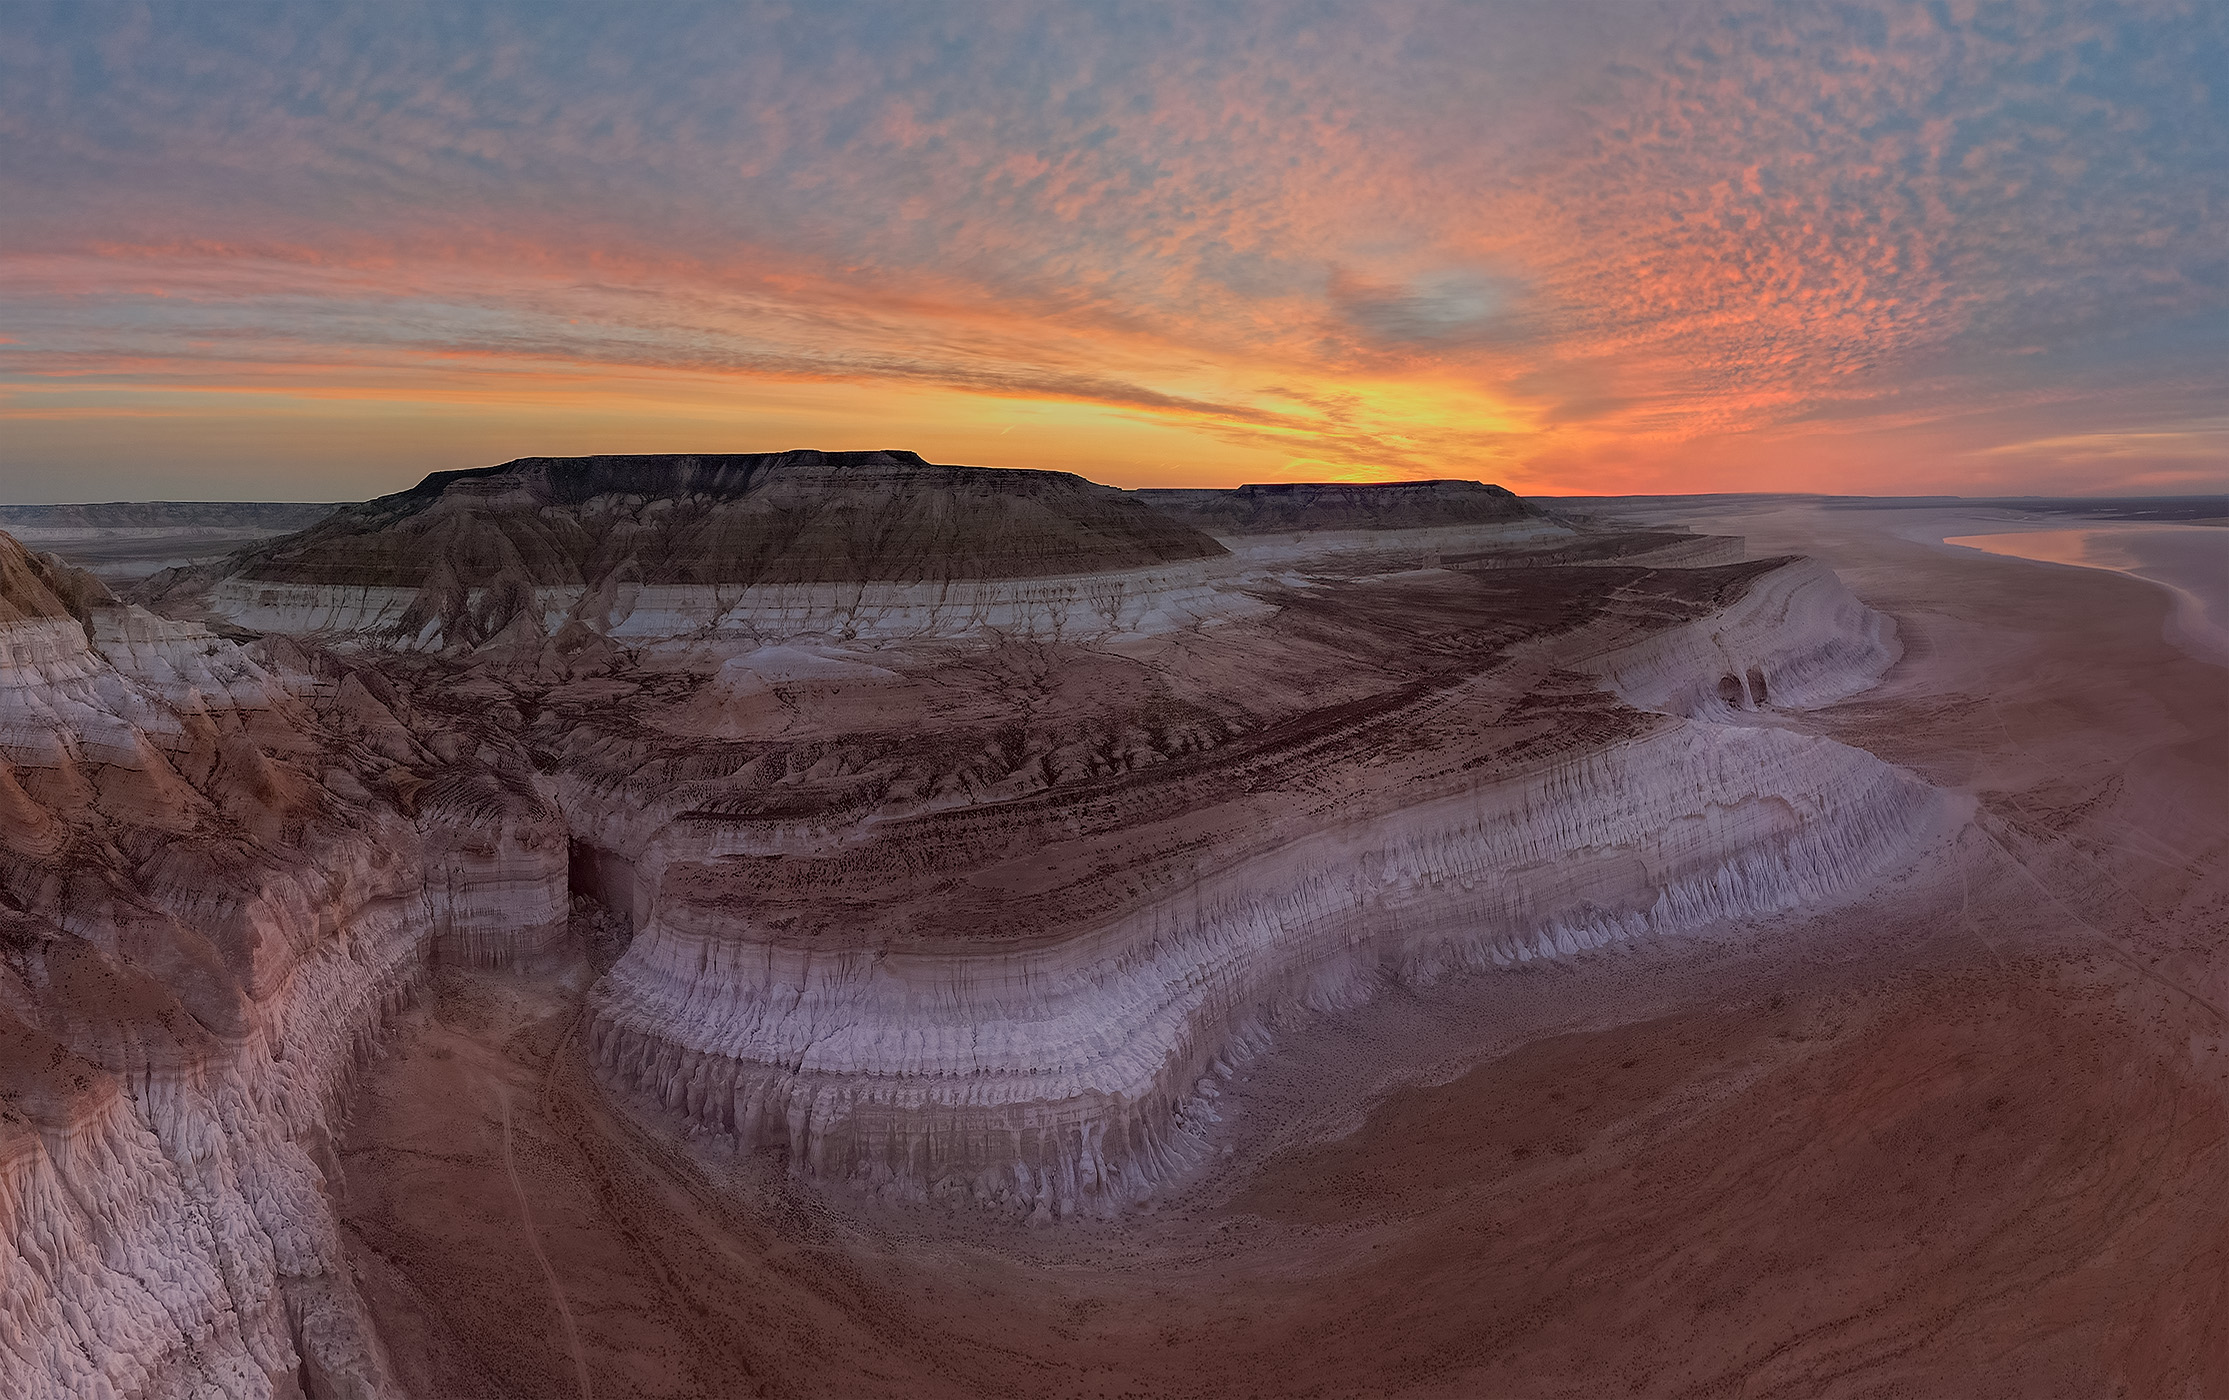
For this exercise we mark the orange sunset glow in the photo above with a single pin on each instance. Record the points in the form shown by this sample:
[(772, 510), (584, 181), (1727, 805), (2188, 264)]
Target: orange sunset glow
[(315, 252)]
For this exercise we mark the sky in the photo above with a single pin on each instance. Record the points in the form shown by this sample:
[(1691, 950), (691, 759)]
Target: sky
[(312, 252)]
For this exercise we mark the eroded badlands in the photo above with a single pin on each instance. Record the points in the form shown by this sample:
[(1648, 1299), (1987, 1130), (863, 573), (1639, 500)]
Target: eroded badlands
[(629, 925)]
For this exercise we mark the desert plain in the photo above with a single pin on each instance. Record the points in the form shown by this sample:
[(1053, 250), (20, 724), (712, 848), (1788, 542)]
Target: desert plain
[(1068, 943)]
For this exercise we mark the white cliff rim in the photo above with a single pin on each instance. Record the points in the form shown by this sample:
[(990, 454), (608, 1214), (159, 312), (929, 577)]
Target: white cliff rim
[(950, 882)]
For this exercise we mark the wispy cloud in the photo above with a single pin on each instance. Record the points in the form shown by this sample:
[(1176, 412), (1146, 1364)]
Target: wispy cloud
[(1573, 246)]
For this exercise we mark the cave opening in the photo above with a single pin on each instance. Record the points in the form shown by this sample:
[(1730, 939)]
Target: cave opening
[(606, 898)]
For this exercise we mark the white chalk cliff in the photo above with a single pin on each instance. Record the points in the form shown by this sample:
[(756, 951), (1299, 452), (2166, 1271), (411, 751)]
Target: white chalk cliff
[(968, 825), (215, 882), (1052, 1069)]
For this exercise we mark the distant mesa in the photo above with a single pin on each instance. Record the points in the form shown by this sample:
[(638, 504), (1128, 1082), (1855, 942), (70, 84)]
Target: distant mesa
[(1277, 507), (563, 556), (769, 545), (124, 541), (164, 515), (753, 518)]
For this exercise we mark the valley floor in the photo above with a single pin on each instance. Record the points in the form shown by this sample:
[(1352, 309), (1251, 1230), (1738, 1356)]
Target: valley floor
[(1967, 1135)]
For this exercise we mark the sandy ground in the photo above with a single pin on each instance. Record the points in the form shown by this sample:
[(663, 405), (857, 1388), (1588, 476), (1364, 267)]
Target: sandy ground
[(1965, 1136), (2189, 561), (118, 557)]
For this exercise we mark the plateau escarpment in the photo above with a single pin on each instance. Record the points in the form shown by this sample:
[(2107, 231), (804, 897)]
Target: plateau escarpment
[(218, 873), (1360, 528), (1272, 507), (966, 826), (576, 550), (121, 541), (994, 953)]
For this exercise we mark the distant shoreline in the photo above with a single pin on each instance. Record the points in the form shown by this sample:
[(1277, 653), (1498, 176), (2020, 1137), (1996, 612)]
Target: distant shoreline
[(2192, 565)]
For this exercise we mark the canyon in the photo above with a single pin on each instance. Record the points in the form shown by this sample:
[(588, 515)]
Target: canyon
[(769, 882)]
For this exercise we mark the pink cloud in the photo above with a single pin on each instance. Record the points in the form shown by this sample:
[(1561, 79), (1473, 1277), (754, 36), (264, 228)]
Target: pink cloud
[(1384, 238)]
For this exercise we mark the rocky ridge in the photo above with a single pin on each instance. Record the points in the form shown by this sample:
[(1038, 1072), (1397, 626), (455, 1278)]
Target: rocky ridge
[(1274, 507), (218, 873), (968, 911), (1010, 988), (575, 549)]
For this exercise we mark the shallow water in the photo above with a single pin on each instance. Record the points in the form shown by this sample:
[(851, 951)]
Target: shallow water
[(2190, 561)]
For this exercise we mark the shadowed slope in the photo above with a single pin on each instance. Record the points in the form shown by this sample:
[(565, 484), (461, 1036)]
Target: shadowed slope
[(1271, 507), (218, 875), (34, 586), (756, 518)]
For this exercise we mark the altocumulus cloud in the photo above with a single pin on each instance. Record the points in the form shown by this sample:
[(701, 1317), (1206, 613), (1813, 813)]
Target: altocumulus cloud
[(1872, 246)]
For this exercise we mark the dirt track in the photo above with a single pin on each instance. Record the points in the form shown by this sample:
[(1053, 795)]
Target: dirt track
[(541, 1257)]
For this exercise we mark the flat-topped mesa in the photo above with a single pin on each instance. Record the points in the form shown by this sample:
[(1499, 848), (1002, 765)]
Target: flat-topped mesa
[(1286, 507), (35, 522), (751, 518), (763, 544)]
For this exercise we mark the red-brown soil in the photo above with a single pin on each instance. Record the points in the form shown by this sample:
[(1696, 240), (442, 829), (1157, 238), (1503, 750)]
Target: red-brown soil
[(1965, 1136)]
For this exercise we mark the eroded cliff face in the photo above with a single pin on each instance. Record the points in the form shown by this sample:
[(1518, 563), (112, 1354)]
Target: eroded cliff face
[(566, 551), (1059, 1078), (567, 618), (217, 877), (1286, 507), (1012, 986), (960, 882)]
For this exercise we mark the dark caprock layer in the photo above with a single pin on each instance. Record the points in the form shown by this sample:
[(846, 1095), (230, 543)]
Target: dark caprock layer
[(1268, 508), (754, 518)]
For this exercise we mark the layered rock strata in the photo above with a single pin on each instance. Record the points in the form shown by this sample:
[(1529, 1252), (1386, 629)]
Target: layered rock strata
[(771, 545), (1286, 507), (217, 877), (628, 611), (959, 851), (1006, 982), (1058, 1077)]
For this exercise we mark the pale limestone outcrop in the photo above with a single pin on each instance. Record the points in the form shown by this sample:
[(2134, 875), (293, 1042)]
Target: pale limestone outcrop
[(166, 1225), (215, 885), (183, 662), (115, 1282), (1058, 1077), (1054, 1072), (1140, 601), (1796, 640)]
